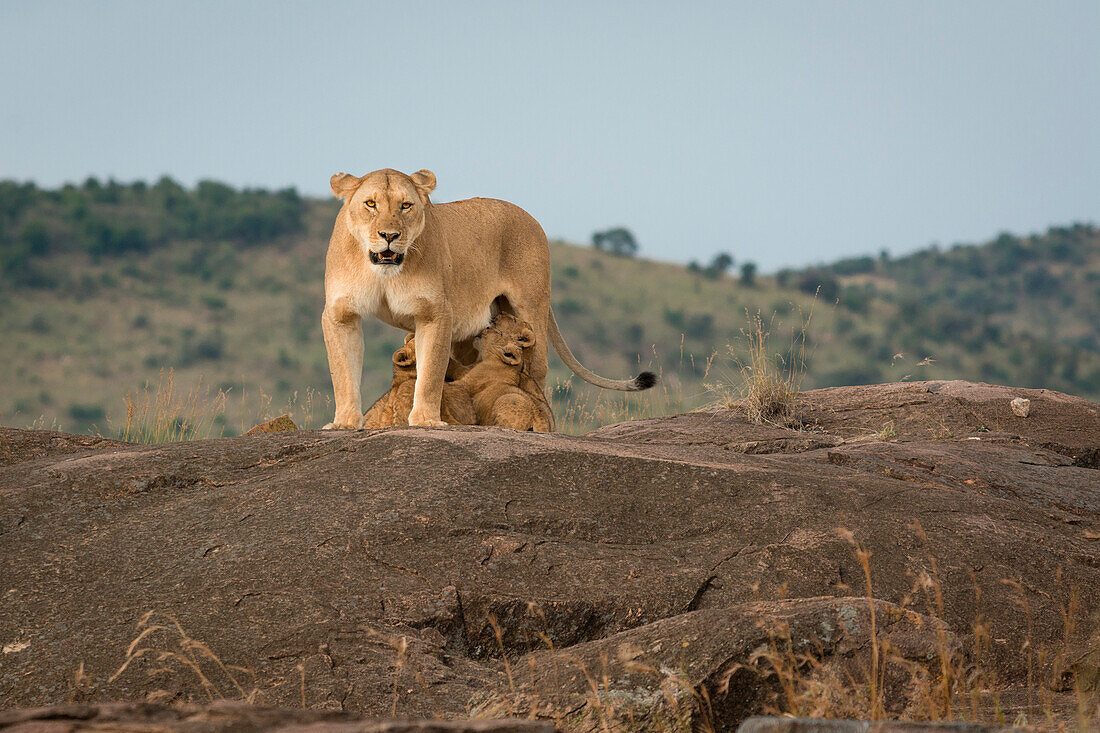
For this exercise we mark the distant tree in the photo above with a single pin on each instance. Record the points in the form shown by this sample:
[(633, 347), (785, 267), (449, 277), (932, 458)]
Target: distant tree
[(699, 326), (618, 241), (15, 198), (718, 266), (110, 193), (855, 298), (35, 238), (214, 193), (1041, 281), (821, 284), (695, 267), (783, 278), (854, 266), (748, 274)]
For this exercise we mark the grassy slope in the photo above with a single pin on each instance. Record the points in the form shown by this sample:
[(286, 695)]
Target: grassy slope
[(247, 320)]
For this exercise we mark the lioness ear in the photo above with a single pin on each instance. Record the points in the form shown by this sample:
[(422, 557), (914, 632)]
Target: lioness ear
[(344, 184), (424, 180)]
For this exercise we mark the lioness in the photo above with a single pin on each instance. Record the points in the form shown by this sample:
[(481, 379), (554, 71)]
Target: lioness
[(393, 407), (440, 271), (495, 382)]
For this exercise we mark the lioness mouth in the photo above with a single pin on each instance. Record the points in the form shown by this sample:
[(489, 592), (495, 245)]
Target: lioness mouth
[(387, 257)]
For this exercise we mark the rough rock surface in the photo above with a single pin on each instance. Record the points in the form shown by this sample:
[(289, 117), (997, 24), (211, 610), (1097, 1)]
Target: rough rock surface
[(809, 725), (640, 568), (234, 717), (278, 424)]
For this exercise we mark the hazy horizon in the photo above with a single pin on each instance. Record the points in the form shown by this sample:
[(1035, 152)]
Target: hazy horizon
[(784, 134)]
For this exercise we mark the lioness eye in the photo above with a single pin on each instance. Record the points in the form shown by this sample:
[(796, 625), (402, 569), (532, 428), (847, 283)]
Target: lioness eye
[(406, 205), (370, 203)]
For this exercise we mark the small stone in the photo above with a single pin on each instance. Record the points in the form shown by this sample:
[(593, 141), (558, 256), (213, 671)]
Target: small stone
[(1021, 406), (275, 425)]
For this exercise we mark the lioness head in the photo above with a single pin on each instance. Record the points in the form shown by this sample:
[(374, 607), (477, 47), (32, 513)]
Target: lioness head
[(384, 210), (505, 340)]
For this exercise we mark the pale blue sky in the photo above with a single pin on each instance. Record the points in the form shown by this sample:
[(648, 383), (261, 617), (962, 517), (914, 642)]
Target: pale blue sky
[(783, 132)]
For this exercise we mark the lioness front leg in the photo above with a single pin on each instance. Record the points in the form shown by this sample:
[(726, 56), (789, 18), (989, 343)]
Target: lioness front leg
[(433, 352), (344, 343)]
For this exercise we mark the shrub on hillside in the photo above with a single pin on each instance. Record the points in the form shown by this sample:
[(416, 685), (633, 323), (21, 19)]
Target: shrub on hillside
[(824, 285), (854, 266), (748, 274), (617, 241), (112, 219)]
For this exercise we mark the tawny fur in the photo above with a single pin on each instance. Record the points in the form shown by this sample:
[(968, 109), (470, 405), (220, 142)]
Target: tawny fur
[(502, 392), (462, 262), (393, 407)]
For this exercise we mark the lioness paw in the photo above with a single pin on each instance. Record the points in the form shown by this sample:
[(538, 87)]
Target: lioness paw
[(345, 424), (419, 419)]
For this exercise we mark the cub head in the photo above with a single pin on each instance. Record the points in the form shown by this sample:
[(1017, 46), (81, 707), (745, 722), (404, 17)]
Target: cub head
[(404, 359), (505, 340), (384, 211)]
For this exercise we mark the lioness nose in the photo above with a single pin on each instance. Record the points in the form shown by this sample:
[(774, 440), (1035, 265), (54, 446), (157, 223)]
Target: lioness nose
[(389, 236)]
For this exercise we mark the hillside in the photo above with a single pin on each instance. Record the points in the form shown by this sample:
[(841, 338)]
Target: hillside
[(106, 287)]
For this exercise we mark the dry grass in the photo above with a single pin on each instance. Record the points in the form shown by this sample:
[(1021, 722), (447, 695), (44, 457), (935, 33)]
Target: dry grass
[(581, 408), (765, 384), (173, 651), (959, 684), (161, 414)]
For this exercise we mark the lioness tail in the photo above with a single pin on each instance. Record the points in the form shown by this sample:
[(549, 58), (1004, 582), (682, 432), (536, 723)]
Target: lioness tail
[(645, 380)]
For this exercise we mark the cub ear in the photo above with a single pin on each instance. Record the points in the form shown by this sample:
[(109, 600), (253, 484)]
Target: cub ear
[(344, 184), (409, 337), (424, 180), (403, 357), (526, 338)]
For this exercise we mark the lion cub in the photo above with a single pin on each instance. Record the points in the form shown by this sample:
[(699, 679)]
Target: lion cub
[(503, 393), (393, 407)]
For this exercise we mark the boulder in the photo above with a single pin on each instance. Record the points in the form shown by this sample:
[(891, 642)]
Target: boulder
[(444, 572), (274, 425), (234, 717)]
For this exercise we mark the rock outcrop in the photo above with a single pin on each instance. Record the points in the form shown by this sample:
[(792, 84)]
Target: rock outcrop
[(665, 569), (233, 717)]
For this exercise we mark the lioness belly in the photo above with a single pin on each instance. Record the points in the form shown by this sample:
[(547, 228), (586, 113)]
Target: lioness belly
[(462, 329), (472, 325)]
